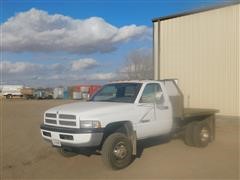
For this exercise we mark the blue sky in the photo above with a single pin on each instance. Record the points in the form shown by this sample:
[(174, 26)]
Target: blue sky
[(40, 48), (118, 12)]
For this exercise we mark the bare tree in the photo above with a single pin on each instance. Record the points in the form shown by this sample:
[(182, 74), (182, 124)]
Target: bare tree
[(138, 65)]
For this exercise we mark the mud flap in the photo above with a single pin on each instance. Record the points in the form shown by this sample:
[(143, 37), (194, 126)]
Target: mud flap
[(213, 127), (133, 138)]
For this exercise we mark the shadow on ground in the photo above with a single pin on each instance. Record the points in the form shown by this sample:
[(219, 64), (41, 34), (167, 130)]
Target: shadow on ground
[(147, 143), (141, 145)]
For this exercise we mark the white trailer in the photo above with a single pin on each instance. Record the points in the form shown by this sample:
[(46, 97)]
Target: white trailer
[(58, 93), (10, 91)]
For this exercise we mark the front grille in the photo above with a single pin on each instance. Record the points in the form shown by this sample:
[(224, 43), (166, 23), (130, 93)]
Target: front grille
[(68, 120), (50, 121), (67, 116), (67, 123), (51, 115)]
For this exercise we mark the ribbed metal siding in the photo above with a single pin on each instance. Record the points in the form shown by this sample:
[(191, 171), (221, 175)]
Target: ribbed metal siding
[(202, 51)]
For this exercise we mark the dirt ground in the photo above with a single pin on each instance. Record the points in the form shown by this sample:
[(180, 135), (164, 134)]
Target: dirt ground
[(25, 155)]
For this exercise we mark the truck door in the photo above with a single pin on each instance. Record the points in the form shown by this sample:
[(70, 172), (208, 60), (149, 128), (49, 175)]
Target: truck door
[(163, 112), (154, 112)]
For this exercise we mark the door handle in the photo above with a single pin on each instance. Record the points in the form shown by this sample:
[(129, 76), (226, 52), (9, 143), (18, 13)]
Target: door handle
[(146, 105), (144, 120), (162, 107)]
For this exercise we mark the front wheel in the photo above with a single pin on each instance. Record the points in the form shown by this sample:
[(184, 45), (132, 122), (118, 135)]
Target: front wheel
[(8, 96), (117, 151)]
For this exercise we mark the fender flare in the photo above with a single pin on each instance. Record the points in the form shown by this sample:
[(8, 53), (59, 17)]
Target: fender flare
[(127, 128)]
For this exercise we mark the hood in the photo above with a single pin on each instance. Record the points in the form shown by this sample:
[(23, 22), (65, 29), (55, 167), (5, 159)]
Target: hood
[(90, 109)]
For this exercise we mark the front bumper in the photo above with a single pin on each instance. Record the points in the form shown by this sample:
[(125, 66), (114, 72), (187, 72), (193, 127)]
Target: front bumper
[(72, 137)]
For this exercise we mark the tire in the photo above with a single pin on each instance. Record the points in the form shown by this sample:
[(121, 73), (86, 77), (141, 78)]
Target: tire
[(201, 134), (117, 151), (9, 96), (188, 134)]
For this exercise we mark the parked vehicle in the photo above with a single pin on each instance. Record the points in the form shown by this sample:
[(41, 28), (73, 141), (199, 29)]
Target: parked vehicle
[(77, 95), (83, 91), (27, 92), (11, 91), (93, 89), (43, 94), (122, 113), (66, 94), (58, 93)]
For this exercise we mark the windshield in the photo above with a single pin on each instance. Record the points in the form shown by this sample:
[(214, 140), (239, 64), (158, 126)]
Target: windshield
[(118, 92)]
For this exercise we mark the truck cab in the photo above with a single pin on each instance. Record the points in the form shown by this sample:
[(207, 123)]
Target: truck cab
[(117, 116)]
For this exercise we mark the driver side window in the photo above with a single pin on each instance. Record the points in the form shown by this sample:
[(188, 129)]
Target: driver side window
[(149, 93)]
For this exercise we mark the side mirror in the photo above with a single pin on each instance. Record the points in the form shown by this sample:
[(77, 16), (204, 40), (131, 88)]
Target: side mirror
[(159, 98)]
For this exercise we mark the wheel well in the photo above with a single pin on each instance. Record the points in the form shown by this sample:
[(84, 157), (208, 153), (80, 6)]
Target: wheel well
[(8, 95), (124, 127)]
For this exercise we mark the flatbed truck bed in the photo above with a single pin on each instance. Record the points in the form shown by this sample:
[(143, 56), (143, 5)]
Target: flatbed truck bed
[(195, 112)]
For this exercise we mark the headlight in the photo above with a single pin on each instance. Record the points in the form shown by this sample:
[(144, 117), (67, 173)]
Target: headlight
[(90, 124)]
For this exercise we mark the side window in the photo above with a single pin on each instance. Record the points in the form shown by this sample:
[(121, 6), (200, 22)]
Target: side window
[(149, 93)]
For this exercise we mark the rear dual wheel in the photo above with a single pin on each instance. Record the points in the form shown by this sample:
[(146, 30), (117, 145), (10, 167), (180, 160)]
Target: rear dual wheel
[(188, 135), (197, 134)]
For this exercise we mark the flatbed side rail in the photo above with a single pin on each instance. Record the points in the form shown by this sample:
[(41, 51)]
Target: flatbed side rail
[(195, 112)]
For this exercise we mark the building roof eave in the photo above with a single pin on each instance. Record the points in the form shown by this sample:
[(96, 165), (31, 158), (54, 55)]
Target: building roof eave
[(194, 11)]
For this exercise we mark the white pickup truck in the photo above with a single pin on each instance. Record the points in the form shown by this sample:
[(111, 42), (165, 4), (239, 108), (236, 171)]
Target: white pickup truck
[(120, 114)]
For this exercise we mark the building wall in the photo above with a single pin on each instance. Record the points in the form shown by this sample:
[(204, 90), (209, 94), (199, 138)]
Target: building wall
[(202, 51)]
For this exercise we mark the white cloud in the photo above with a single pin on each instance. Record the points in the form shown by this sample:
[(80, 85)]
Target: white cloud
[(83, 64), (127, 31), (89, 77), (102, 76), (19, 67), (36, 30), (54, 74)]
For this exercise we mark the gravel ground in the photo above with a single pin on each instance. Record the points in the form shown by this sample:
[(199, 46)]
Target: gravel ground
[(25, 155)]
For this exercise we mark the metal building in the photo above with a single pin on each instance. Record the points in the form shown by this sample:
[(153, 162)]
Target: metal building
[(201, 50)]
